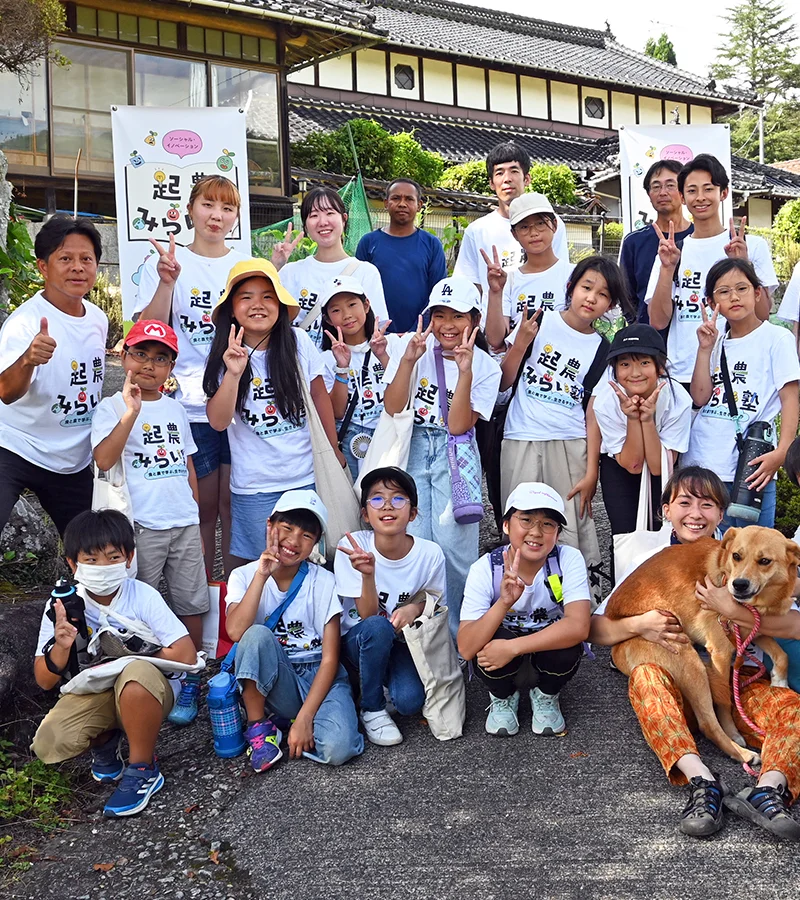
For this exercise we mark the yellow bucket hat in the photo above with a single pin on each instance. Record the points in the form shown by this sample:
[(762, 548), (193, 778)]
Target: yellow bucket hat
[(251, 268)]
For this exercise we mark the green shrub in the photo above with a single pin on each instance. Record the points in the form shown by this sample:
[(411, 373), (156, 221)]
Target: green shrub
[(787, 222), (557, 183), (264, 240), (787, 505), (612, 231), (410, 160), (31, 791), (469, 176), (18, 262), (108, 297)]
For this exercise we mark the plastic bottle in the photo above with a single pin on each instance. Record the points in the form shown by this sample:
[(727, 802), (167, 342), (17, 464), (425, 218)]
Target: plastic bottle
[(225, 715), (745, 501)]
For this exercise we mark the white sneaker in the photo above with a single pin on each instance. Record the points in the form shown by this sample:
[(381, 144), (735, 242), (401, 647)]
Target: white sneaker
[(547, 718), (502, 719), (380, 729)]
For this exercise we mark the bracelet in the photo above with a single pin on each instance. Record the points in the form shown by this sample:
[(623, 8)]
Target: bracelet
[(342, 370), (342, 380), (51, 666)]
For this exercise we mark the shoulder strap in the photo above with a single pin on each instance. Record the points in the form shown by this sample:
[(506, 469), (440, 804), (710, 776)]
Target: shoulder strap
[(496, 562), (351, 406), (595, 373), (442, 383), (731, 400), (316, 309), (294, 588), (552, 572), (526, 355)]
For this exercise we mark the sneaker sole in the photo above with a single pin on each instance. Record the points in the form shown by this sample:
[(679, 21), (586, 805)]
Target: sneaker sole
[(709, 827), (181, 721), (548, 732), (108, 779), (382, 743), (788, 829), (502, 732), (133, 810)]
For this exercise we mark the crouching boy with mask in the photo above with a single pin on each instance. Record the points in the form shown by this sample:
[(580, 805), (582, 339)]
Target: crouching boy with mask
[(99, 548)]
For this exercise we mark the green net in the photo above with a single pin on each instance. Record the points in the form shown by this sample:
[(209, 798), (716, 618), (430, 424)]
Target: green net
[(359, 222)]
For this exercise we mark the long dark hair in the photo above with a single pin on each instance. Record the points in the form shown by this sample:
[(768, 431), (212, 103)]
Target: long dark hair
[(615, 279), (729, 264), (282, 364), (369, 326)]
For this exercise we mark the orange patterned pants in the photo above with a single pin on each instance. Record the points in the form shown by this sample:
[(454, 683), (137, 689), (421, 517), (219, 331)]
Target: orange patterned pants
[(659, 706)]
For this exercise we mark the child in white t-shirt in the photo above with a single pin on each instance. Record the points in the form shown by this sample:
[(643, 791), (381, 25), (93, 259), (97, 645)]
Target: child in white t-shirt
[(151, 433), (378, 585), (356, 351), (638, 412), (472, 380), (254, 381), (531, 600), (284, 613), (763, 371), (99, 547)]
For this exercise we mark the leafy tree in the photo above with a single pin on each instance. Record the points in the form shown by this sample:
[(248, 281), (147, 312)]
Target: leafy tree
[(781, 132), (557, 183), (661, 49), (409, 160), (470, 177), (26, 29), (759, 49), (787, 222)]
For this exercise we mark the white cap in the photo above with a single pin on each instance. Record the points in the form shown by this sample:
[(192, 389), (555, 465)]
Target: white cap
[(537, 495), (304, 499), (455, 293), (342, 284), (529, 205)]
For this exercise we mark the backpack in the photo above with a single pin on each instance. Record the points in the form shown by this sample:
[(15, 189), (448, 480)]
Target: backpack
[(552, 572)]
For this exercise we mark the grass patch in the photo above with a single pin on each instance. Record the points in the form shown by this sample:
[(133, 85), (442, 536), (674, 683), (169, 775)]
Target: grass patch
[(32, 792)]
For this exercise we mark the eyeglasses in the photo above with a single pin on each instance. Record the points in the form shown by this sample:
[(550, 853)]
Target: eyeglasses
[(656, 186), (546, 526), (396, 502), (536, 226), (142, 357), (741, 290)]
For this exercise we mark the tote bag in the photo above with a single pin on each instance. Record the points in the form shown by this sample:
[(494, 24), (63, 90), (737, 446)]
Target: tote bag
[(431, 647), (216, 642), (333, 483)]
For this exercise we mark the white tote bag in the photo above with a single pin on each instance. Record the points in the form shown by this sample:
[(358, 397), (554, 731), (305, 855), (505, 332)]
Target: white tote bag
[(391, 439), (333, 483), (629, 548), (431, 647)]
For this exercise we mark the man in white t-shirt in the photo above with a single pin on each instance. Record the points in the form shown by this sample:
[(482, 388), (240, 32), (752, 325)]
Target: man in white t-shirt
[(677, 283), (508, 167), (52, 360)]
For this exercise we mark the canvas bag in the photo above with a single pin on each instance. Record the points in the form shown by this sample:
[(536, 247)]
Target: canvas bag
[(431, 647), (630, 547), (333, 483), (216, 642)]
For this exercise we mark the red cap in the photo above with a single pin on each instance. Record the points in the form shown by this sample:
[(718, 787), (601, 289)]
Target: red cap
[(152, 330)]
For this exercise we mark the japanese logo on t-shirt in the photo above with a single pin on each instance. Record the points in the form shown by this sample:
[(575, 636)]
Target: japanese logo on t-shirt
[(262, 414), (197, 324), (85, 391), (558, 383), (164, 456), (689, 296)]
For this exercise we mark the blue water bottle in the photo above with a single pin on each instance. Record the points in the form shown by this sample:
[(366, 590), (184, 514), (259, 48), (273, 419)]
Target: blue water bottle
[(225, 714)]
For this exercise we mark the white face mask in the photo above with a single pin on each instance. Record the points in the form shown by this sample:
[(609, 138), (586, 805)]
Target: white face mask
[(101, 580)]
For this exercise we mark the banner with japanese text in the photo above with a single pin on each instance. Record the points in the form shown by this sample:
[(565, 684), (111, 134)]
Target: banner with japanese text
[(159, 154)]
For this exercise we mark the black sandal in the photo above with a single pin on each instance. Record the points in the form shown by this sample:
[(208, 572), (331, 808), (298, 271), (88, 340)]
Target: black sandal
[(767, 807), (702, 815)]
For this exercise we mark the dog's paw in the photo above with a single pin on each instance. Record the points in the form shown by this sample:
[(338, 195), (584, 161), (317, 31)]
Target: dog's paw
[(738, 739), (775, 681), (754, 761)]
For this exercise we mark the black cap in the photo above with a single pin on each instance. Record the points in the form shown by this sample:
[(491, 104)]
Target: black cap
[(637, 338)]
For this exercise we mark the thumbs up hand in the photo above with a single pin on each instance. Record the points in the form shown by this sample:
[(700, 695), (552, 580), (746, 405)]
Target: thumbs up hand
[(41, 348)]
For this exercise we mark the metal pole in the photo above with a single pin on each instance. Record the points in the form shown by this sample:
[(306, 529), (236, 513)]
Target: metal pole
[(761, 134)]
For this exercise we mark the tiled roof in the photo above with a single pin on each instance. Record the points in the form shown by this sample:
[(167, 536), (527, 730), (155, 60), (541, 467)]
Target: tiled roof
[(491, 35), (347, 13), (790, 165)]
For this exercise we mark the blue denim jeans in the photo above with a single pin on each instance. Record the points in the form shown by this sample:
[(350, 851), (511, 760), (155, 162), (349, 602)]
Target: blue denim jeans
[(373, 649), (792, 649), (285, 686), (767, 517), (427, 464)]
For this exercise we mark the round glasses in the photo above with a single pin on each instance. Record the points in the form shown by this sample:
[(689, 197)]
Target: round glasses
[(396, 502), (528, 522), (142, 357)]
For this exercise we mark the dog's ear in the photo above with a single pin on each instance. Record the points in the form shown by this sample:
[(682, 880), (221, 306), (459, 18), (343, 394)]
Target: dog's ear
[(728, 538), (792, 553)]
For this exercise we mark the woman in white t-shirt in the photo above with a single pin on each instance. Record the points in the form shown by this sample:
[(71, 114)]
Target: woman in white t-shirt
[(253, 380), (760, 362), (638, 412), (529, 600), (472, 380), (180, 286), (324, 218)]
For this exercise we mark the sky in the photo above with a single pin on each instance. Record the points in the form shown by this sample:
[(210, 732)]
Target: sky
[(695, 45)]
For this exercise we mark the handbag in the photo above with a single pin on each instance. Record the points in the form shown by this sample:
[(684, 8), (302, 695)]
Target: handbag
[(216, 642), (333, 483), (434, 655), (463, 458)]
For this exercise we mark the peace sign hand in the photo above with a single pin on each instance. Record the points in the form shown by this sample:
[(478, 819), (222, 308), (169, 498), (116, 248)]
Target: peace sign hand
[(528, 329), (628, 405), (168, 267), (495, 274), (465, 351), (235, 357), (341, 352), (285, 248), (707, 333), (269, 561), (378, 343), (647, 405), (417, 345), (512, 586), (361, 560), (737, 247), (668, 251)]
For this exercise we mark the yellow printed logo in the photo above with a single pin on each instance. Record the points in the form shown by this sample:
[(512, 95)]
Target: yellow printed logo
[(256, 382), (423, 382), (548, 348), (74, 365), (520, 296), (687, 272), (304, 293), (195, 292), (147, 427)]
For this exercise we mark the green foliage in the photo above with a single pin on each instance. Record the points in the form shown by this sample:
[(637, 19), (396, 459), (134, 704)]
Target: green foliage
[(781, 132), (411, 161), (613, 231), (470, 177), (451, 239), (31, 791), (787, 505), (661, 49), (265, 239), (787, 222), (557, 183), (18, 262), (108, 297)]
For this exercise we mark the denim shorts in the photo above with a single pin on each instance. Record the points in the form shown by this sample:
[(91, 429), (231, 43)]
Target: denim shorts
[(249, 514), (213, 449)]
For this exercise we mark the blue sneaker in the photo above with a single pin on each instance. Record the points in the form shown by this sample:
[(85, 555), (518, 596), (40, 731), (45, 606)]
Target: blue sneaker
[(107, 765), (138, 785), (184, 712), (264, 738)]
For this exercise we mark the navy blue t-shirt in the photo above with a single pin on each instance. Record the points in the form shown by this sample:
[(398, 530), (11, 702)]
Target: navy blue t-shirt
[(636, 259), (410, 267)]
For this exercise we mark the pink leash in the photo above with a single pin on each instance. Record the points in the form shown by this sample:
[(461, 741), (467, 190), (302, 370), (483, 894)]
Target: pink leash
[(742, 655)]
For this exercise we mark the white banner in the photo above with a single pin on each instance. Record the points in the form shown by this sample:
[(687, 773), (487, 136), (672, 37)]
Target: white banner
[(159, 154), (642, 145)]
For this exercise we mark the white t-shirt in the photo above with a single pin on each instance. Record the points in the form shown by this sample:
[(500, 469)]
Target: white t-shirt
[(697, 257), (545, 290), (494, 230), (760, 364), (50, 425), (197, 290), (790, 305), (269, 453), (396, 579), (300, 628), (547, 404), (155, 460), (307, 278), (535, 609), (673, 417), (370, 389), (135, 601), (486, 376)]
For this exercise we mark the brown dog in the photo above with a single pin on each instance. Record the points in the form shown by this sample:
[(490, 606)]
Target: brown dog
[(759, 566)]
